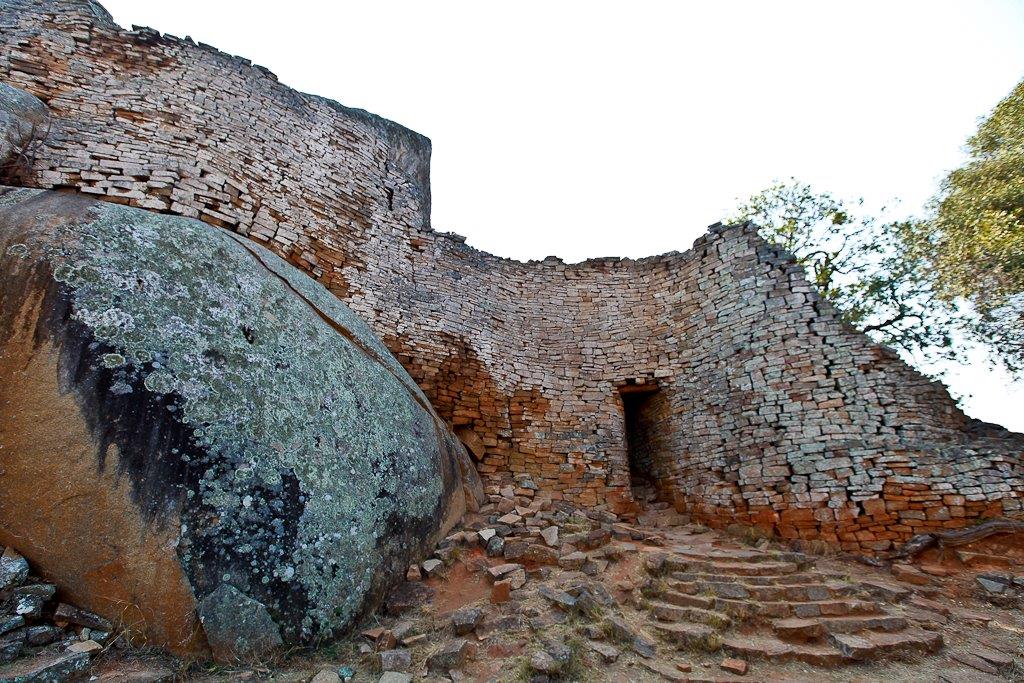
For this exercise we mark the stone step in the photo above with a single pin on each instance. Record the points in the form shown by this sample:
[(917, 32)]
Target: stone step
[(765, 580), (733, 568), (698, 553), (797, 630), (685, 600), (667, 612), (829, 608), (886, 590), (683, 635), (741, 555), (747, 609), (664, 670), (813, 592), (775, 650), (958, 674), (872, 645), (857, 622)]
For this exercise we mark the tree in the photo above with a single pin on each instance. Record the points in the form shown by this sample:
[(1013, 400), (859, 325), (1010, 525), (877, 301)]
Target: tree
[(975, 242), (863, 266)]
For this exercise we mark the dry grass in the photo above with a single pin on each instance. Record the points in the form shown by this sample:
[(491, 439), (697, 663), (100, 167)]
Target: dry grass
[(654, 588)]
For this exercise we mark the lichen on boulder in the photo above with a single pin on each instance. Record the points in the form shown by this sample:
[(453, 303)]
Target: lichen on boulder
[(211, 421)]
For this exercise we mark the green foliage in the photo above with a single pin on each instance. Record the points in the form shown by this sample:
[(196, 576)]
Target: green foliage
[(975, 243), (863, 266)]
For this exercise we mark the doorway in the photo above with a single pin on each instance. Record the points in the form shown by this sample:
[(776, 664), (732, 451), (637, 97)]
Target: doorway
[(641, 407)]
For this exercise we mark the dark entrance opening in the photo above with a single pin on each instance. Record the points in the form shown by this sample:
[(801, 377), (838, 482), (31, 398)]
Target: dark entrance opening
[(641, 407)]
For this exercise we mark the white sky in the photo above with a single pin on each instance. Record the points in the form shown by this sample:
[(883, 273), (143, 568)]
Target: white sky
[(585, 128)]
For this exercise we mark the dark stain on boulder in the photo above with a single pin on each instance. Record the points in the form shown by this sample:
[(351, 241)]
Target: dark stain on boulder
[(239, 399)]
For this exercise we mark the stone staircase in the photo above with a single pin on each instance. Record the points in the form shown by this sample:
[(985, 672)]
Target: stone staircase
[(776, 606)]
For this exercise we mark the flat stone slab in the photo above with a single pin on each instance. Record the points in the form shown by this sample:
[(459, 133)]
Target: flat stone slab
[(47, 667), (798, 630)]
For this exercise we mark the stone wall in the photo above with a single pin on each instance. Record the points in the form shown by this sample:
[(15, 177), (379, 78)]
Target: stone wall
[(769, 410)]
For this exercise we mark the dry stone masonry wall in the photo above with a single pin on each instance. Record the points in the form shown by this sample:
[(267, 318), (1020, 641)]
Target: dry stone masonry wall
[(767, 409)]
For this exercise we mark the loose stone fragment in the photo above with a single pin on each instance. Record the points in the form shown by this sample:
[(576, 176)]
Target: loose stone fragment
[(452, 656), (550, 536), (736, 666), (559, 597), (43, 635), (73, 615), (395, 677), (13, 569), (543, 662), (607, 653), (237, 627), (45, 668), (798, 630), (465, 620), (396, 660), (87, 646), (664, 670), (10, 623), (572, 561), (406, 596), (326, 676), (496, 547), (501, 591)]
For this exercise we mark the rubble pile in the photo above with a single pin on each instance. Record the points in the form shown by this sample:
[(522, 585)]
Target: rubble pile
[(42, 638)]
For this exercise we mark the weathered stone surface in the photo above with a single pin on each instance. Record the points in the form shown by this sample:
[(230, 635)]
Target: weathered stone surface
[(86, 646), (664, 670), (501, 591), (45, 668), (496, 546), (452, 656), (994, 657), (733, 665), (42, 635), (326, 676), (797, 630), (910, 574), (974, 662), (13, 569), (432, 567), (607, 653), (543, 662), (540, 554), (991, 586), (9, 623), (396, 660), (236, 626), (499, 571), (74, 615), (407, 596), (395, 677), (573, 560), (208, 415), (24, 121), (466, 619), (559, 598)]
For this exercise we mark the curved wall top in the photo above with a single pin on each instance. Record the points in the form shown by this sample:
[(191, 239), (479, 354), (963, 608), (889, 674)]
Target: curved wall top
[(769, 409)]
